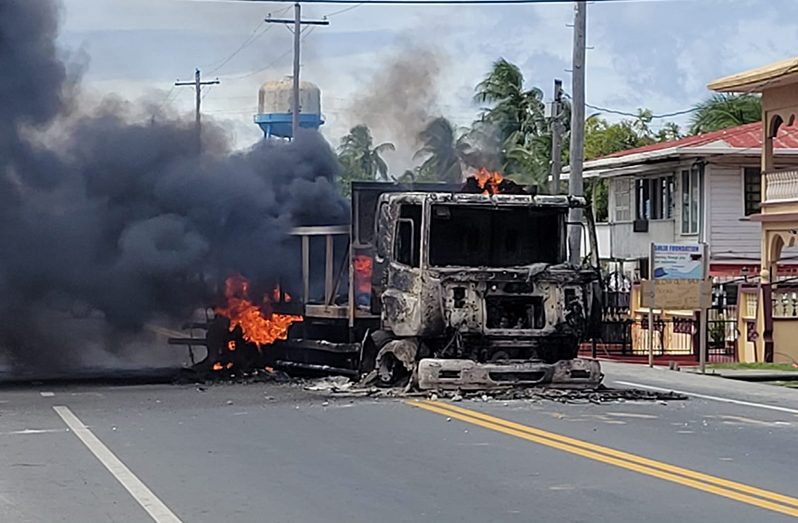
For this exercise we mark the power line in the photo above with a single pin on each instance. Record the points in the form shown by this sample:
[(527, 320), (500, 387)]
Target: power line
[(436, 2), (267, 66), (344, 10), (253, 36), (636, 115), (166, 99), (305, 35), (207, 91), (252, 39)]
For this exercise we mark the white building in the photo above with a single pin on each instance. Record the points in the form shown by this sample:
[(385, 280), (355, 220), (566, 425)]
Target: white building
[(701, 188)]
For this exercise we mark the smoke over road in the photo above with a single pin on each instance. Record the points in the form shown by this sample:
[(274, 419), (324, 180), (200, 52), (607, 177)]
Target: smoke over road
[(110, 219), (401, 99)]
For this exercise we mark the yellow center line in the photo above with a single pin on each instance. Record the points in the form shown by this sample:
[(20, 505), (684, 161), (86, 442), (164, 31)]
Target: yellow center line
[(787, 500), (772, 501)]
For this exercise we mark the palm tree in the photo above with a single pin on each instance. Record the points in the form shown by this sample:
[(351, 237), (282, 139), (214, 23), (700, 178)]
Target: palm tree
[(443, 151), (722, 111), (669, 131), (513, 108), (517, 117), (358, 153)]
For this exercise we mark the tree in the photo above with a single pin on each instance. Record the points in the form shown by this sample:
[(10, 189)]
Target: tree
[(722, 111), (603, 138), (516, 116), (360, 159), (442, 151), (512, 108)]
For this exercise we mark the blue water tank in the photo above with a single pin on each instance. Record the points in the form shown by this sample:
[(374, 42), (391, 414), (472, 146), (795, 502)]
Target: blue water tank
[(275, 100)]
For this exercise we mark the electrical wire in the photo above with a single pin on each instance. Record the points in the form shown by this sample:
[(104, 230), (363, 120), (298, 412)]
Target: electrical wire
[(436, 2), (252, 39), (165, 101), (635, 115), (344, 10), (751, 90), (207, 90), (253, 36)]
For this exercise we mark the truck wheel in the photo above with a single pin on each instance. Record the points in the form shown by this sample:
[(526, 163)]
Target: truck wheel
[(375, 342), (391, 372)]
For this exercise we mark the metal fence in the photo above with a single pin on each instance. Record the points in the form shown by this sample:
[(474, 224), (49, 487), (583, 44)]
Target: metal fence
[(674, 335)]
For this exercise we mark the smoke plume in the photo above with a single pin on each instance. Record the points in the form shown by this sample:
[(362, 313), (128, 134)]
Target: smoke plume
[(111, 219), (401, 99)]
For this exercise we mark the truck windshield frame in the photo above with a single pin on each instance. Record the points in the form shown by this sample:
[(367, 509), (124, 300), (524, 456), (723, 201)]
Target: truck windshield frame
[(496, 236)]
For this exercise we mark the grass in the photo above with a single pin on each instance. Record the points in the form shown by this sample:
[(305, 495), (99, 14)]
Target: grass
[(757, 366)]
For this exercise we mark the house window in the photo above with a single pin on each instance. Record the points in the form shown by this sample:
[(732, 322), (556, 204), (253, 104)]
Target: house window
[(691, 194), (623, 200), (654, 198), (752, 190)]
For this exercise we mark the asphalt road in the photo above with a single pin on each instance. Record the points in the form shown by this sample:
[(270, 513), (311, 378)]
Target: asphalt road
[(277, 453)]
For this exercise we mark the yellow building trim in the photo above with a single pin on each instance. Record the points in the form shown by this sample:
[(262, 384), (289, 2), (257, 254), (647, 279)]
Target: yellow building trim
[(785, 71)]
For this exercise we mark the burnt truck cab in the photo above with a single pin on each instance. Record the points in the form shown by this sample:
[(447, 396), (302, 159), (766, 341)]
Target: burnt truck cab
[(481, 277), (436, 286)]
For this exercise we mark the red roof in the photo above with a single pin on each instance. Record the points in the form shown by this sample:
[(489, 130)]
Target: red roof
[(748, 136)]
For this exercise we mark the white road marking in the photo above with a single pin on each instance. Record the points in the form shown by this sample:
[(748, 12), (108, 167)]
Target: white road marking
[(713, 398), (47, 394), (156, 508), (32, 431)]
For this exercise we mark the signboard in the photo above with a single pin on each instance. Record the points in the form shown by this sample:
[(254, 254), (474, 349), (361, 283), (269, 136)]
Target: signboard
[(678, 261), (676, 294)]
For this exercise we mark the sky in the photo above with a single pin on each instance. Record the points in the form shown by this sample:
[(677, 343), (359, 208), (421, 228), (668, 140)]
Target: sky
[(657, 54)]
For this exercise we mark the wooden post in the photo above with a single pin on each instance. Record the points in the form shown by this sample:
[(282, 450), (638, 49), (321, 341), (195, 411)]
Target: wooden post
[(328, 270), (305, 269), (651, 307)]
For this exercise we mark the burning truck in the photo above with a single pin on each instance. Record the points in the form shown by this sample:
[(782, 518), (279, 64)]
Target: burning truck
[(463, 287)]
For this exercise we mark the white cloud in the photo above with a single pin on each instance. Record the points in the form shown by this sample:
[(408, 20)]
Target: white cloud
[(658, 55)]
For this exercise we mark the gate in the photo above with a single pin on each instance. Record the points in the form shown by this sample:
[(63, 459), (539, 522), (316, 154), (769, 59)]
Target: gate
[(624, 334)]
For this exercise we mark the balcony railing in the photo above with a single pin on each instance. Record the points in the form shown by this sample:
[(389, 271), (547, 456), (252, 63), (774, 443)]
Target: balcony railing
[(781, 185)]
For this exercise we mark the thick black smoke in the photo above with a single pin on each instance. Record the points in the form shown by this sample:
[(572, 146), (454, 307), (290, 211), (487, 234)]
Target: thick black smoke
[(109, 220)]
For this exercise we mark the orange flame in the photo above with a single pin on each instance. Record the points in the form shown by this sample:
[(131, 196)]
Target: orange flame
[(259, 324), (488, 181), (278, 295), (363, 265)]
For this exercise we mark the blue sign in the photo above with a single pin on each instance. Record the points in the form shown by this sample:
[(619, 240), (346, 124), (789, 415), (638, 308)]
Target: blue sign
[(678, 261)]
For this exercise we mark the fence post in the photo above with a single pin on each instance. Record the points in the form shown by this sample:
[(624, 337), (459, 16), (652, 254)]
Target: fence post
[(696, 337)]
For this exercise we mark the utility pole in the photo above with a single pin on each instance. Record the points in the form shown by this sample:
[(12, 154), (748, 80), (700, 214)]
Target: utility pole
[(556, 135), (577, 150), (297, 23), (197, 84)]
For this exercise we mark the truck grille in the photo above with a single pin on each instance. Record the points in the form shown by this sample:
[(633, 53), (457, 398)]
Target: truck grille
[(515, 312)]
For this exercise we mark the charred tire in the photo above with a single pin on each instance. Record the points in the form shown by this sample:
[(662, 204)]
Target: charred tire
[(374, 343), (391, 372)]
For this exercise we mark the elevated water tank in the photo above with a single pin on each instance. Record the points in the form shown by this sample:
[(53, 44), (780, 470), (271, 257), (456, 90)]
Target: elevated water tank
[(275, 100)]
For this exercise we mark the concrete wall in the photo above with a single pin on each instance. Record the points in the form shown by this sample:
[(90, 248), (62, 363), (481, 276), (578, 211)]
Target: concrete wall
[(603, 234), (625, 243), (747, 311), (785, 340)]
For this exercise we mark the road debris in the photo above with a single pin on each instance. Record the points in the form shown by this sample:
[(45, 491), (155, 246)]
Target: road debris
[(601, 394)]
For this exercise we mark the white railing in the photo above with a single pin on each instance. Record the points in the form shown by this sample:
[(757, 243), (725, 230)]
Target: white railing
[(781, 185)]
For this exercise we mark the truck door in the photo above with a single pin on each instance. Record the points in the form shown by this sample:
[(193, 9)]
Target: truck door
[(401, 296)]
